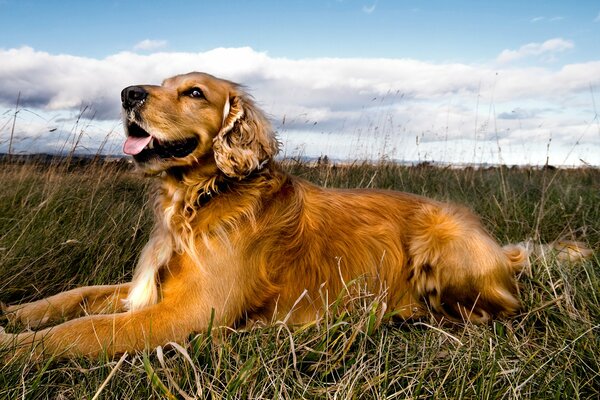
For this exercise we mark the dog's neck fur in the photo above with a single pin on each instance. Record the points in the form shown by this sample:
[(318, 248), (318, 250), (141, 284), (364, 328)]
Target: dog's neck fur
[(180, 200)]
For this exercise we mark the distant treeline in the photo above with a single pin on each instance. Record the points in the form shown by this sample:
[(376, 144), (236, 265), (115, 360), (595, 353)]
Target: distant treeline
[(75, 161), (126, 162)]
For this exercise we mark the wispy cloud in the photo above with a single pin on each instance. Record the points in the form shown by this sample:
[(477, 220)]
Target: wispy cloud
[(369, 9), (549, 47), (149, 44), (548, 19), (597, 19)]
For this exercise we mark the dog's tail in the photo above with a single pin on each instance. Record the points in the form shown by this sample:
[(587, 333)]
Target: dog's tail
[(562, 250), (518, 256)]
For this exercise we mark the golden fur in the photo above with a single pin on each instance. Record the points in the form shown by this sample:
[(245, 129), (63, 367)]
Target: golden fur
[(235, 234)]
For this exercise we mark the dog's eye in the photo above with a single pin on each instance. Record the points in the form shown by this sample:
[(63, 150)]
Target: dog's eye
[(194, 93)]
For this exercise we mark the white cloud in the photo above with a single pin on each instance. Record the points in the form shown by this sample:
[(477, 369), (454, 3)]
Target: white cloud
[(364, 103), (369, 9), (597, 19), (149, 44), (549, 19), (552, 46)]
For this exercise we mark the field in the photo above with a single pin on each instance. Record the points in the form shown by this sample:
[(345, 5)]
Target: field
[(64, 226)]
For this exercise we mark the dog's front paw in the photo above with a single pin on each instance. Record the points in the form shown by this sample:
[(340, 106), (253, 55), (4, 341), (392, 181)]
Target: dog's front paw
[(6, 339), (31, 315), (11, 349)]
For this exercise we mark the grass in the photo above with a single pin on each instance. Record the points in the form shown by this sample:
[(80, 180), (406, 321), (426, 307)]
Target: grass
[(63, 227)]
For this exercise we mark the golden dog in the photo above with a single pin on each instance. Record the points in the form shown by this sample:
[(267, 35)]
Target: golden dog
[(238, 240)]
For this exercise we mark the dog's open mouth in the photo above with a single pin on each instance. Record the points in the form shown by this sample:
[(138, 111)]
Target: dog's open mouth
[(143, 146)]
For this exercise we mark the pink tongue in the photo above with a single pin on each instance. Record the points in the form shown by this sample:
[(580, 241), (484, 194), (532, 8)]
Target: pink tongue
[(134, 145)]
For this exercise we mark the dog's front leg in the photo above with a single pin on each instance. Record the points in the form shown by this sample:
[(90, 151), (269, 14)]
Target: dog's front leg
[(104, 299), (113, 334)]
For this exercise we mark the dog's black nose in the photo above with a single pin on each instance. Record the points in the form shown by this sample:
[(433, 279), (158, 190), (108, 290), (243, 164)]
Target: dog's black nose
[(132, 96)]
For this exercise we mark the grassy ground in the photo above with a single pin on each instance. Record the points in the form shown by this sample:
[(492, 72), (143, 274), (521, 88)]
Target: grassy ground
[(61, 228)]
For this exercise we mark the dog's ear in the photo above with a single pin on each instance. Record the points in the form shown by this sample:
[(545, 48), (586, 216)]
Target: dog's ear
[(246, 140)]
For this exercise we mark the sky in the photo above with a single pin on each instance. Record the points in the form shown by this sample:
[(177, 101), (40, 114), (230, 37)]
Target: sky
[(456, 82)]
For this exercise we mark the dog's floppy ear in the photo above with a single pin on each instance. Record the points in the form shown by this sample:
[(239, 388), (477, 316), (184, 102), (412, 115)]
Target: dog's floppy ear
[(246, 140)]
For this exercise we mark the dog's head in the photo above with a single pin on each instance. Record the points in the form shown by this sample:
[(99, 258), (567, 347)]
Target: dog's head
[(196, 119)]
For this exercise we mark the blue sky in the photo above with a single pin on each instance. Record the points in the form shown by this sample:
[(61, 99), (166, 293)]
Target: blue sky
[(412, 80), (470, 31)]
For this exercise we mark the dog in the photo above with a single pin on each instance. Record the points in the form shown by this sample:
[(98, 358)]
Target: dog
[(237, 240)]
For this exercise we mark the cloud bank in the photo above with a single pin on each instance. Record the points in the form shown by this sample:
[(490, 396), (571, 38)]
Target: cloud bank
[(345, 108)]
